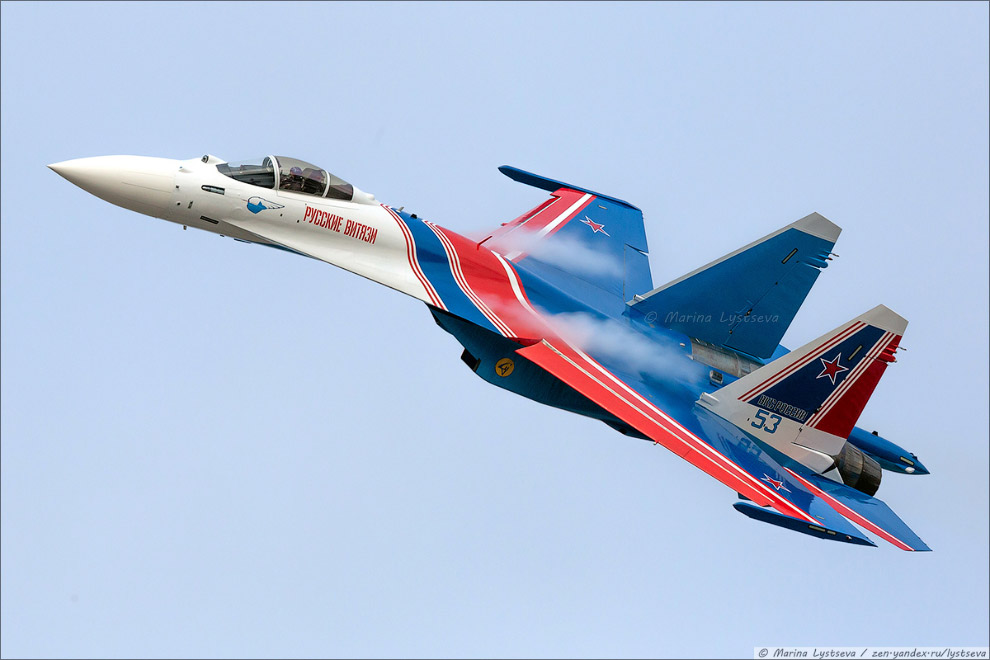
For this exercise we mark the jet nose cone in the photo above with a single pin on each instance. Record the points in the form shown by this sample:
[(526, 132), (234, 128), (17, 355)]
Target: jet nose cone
[(138, 183)]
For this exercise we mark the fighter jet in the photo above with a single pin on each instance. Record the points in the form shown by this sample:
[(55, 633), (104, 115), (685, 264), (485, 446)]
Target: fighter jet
[(559, 306)]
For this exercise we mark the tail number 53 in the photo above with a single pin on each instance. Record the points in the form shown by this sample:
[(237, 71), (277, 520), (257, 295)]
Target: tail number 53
[(766, 420)]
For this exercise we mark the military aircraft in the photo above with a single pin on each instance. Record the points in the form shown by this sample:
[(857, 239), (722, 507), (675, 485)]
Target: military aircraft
[(558, 305)]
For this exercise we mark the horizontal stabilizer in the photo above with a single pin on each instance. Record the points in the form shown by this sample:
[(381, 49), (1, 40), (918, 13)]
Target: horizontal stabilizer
[(867, 512), (770, 516), (746, 300)]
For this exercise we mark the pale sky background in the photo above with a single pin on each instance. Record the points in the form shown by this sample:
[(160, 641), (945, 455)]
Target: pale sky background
[(216, 449)]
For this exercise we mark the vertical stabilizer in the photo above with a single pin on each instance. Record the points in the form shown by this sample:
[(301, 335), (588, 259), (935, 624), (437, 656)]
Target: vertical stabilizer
[(807, 402)]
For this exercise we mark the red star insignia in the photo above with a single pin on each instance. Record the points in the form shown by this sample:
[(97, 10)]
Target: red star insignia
[(595, 226), (831, 369), (777, 485)]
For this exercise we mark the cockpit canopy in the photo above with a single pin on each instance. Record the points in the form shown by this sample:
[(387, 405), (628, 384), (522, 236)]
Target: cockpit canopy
[(293, 175)]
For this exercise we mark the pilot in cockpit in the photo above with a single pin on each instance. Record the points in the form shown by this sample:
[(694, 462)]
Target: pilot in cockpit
[(294, 181), (290, 174), (312, 181)]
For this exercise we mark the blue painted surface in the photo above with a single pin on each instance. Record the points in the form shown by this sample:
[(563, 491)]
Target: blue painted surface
[(770, 516), (654, 359), (872, 509), (551, 185), (604, 245), (808, 387), (748, 301), (436, 266), (890, 456), (258, 204), (526, 379)]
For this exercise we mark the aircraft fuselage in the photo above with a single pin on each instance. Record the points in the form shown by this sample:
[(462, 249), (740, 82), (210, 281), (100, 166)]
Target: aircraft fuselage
[(489, 303)]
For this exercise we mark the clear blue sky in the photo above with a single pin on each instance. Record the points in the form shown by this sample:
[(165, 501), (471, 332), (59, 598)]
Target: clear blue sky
[(214, 449)]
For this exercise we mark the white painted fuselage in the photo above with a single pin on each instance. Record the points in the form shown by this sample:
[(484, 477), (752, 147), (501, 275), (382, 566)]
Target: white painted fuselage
[(359, 235)]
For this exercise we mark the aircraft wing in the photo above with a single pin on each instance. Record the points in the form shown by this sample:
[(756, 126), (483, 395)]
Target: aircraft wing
[(775, 494), (577, 238)]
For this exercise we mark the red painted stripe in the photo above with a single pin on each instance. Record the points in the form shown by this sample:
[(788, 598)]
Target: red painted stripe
[(493, 279), (515, 284), (414, 263), (525, 217), (703, 453), (570, 216), (841, 418), (837, 393), (485, 277), (649, 420), (571, 373), (801, 362), (556, 215), (836, 396), (458, 273), (852, 515), (779, 502), (890, 353)]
